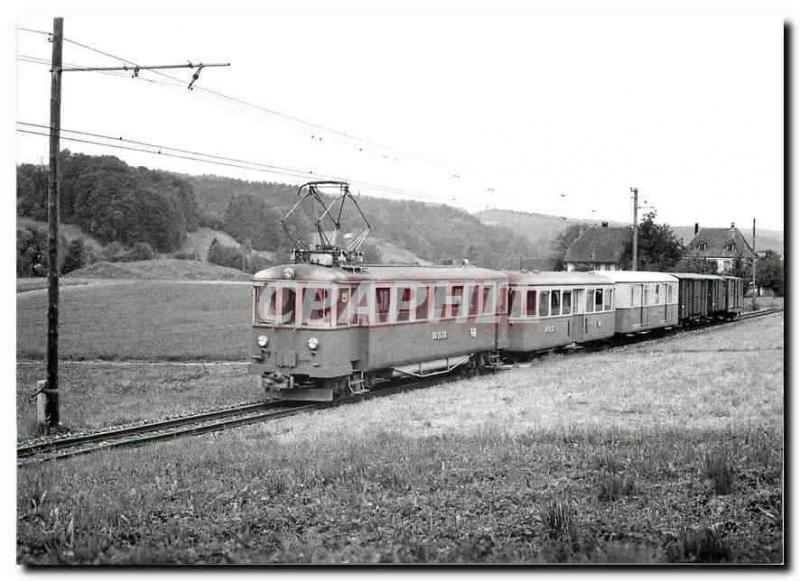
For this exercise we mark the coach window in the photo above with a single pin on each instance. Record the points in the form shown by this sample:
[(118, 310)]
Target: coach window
[(502, 300), (474, 297), (598, 300), (669, 293), (566, 303), (607, 299), (658, 293), (589, 300), (403, 304), (316, 307), (487, 299), (456, 300), (530, 303), (423, 301), (439, 302), (515, 303), (382, 303), (544, 303), (555, 303)]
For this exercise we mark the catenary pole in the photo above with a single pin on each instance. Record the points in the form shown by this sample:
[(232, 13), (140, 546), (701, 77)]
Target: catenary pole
[(635, 265), (51, 388), (754, 264)]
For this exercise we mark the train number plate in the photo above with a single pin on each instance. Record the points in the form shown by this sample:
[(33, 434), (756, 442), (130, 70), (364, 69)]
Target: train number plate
[(439, 335), (550, 329)]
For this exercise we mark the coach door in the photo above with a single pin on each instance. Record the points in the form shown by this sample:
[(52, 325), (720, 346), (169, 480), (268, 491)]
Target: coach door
[(578, 327), (642, 292)]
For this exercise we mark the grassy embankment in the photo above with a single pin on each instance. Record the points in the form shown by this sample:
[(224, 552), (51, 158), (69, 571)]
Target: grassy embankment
[(662, 452)]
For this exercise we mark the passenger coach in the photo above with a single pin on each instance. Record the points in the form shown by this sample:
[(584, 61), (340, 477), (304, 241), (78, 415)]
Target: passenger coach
[(644, 300), (552, 309), (319, 331)]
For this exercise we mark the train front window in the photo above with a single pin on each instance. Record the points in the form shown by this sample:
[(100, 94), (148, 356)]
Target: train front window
[(598, 300), (266, 297), (589, 300), (607, 302), (287, 300), (317, 307), (566, 303)]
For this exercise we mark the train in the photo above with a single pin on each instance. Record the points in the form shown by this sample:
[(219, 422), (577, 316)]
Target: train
[(322, 331)]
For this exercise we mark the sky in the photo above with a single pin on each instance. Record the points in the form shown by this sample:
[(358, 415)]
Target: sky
[(517, 107)]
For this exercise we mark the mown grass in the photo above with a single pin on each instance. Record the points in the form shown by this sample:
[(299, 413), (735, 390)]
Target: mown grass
[(608, 457), (141, 320), (484, 497), (96, 395)]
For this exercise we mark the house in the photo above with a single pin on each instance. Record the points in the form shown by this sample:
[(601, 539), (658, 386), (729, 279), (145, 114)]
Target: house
[(598, 248), (719, 245)]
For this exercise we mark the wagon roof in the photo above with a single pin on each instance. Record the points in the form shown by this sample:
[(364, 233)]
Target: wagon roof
[(386, 273), (557, 278), (639, 276), (696, 276)]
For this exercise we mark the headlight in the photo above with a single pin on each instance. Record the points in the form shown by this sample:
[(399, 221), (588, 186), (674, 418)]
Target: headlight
[(313, 343), (263, 340), (288, 272)]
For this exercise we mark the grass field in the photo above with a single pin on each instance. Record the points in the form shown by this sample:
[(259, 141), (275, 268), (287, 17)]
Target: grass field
[(141, 319), (670, 451)]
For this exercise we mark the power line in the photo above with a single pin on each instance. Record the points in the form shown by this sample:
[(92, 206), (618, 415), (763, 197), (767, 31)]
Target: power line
[(274, 112), (179, 153)]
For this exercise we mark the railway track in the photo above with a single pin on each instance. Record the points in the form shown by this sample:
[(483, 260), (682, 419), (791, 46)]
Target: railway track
[(129, 436), (222, 419)]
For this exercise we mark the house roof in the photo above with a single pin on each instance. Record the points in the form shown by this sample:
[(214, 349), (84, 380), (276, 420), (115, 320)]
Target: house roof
[(718, 243), (599, 245)]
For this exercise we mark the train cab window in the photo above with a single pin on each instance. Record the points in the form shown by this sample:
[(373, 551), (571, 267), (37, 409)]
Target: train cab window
[(555, 303), (316, 307), (598, 300), (266, 298), (589, 300), (456, 300), (344, 296), (288, 299), (566, 302), (531, 303), (404, 304), (382, 304), (544, 303), (607, 300), (669, 293), (422, 300)]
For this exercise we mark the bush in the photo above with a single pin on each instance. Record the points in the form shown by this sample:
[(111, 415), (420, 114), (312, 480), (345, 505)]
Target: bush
[(139, 251), (75, 256), (719, 471)]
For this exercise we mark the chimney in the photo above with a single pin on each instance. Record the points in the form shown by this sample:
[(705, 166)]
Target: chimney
[(696, 228)]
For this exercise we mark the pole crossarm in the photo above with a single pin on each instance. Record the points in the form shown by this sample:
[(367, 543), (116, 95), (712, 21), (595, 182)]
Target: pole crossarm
[(136, 68)]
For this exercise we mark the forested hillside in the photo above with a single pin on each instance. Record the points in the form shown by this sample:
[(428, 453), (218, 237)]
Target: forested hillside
[(137, 212), (433, 232), (113, 201)]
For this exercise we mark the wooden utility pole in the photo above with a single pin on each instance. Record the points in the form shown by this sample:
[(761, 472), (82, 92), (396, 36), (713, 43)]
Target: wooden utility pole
[(635, 265), (51, 388), (754, 264)]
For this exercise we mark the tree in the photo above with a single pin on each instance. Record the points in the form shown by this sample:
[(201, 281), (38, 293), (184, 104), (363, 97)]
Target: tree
[(562, 243), (658, 248), (769, 272)]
